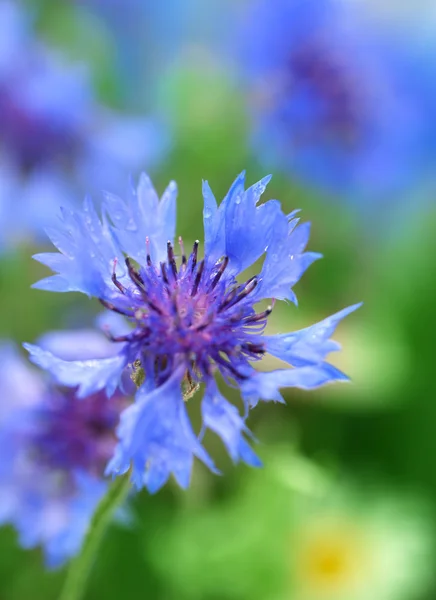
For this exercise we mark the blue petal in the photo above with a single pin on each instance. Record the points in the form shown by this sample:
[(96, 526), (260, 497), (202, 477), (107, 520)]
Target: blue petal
[(90, 375), (223, 418), (211, 221), (285, 260), (88, 251), (157, 439), (21, 385), (265, 386), (238, 228), (310, 345), (78, 344), (144, 216)]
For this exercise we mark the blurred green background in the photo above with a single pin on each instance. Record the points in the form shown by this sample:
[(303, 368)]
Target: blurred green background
[(344, 507)]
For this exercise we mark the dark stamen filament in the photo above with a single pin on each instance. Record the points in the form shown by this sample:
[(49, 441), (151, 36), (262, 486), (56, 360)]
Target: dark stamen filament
[(139, 282), (221, 270), (134, 275), (259, 316), (115, 280), (126, 312), (194, 254), (147, 244), (246, 289), (229, 367), (230, 296), (197, 278), (163, 269), (171, 259), (256, 348)]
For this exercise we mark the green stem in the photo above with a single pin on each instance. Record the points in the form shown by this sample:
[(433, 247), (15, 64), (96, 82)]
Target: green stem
[(80, 567)]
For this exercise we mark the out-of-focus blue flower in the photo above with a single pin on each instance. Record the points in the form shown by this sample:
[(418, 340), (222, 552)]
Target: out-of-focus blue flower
[(54, 134), (335, 99), (187, 319), (55, 448)]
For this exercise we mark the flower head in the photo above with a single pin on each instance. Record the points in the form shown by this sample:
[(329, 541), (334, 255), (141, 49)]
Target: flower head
[(332, 98), (187, 318), (57, 447)]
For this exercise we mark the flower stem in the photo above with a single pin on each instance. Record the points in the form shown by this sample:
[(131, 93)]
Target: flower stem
[(80, 567)]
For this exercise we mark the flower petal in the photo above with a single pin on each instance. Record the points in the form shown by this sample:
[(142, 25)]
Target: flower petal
[(88, 253), (285, 260), (144, 216), (265, 386), (310, 345), (90, 375), (78, 344), (157, 439), (238, 228), (223, 418)]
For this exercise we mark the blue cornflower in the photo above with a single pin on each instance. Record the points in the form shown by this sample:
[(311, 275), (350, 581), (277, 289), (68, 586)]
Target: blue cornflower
[(54, 134), (56, 446), (335, 98), (187, 319)]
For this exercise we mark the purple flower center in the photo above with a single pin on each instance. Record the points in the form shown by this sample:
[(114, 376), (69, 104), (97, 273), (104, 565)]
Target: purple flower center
[(194, 314), (78, 434), (323, 79)]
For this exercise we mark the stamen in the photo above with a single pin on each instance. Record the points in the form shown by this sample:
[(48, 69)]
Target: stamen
[(229, 367), (134, 275), (171, 259), (247, 289), (221, 270), (139, 282), (126, 312), (230, 296), (255, 348), (194, 254), (115, 280), (182, 250), (197, 278), (259, 316), (147, 244), (163, 269)]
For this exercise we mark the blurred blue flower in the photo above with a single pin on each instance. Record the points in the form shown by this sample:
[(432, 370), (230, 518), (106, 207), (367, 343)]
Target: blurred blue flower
[(338, 101), (57, 447), (54, 131), (188, 319)]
